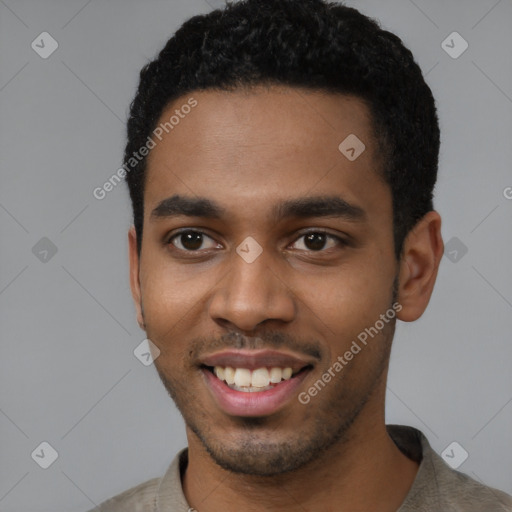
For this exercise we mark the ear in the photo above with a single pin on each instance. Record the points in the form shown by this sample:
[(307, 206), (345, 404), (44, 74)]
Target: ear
[(421, 256), (134, 275)]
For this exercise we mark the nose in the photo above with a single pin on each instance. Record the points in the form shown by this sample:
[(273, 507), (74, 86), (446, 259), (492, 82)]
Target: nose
[(250, 294)]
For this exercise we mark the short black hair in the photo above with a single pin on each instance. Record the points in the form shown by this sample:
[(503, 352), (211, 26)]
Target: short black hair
[(313, 44)]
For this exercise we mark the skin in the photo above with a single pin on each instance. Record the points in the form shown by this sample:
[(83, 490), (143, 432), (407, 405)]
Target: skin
[(248, 150)]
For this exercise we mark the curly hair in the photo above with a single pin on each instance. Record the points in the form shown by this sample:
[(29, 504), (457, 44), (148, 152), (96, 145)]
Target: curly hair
[(312, 44)]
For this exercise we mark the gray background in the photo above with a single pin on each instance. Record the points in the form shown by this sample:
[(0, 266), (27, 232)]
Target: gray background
[(68, 375)]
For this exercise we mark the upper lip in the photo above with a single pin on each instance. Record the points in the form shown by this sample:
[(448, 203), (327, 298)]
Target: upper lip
[(253, 359)]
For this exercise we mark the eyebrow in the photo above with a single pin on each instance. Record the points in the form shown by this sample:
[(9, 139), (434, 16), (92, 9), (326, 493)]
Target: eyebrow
[(302, 207)]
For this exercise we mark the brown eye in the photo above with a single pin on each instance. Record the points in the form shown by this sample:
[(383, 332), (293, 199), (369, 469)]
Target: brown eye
[(189, 240), (316, 241)]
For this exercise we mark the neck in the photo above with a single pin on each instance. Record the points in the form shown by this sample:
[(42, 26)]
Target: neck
[(363, 471)]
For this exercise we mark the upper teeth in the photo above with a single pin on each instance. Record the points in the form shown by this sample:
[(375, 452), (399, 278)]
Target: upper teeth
[(259, 378)]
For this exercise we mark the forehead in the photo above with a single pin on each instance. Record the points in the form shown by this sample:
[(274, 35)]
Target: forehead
[(262, 144)]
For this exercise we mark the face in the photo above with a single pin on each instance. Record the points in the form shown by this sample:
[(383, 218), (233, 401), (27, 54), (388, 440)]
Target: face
[(278, 253)]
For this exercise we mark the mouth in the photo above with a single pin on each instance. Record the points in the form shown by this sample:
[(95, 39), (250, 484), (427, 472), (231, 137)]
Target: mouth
[(254, 381), (253, 384)]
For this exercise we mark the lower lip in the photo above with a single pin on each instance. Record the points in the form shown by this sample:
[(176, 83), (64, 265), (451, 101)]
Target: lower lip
[(256, 403)]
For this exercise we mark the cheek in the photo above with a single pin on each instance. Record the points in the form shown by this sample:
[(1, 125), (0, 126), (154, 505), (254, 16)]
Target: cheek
[(351, 297), (348, 304), (168, 292), (174, 302)]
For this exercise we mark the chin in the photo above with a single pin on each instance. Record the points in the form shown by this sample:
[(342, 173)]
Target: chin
[(255, 450)]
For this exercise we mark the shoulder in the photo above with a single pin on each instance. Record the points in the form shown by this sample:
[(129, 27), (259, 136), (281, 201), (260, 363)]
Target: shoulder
[(154, 495), (140, 498), (459, 492), (440, 487)]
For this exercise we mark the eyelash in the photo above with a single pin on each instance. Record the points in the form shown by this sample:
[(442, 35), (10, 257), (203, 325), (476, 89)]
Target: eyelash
[(340, 241)]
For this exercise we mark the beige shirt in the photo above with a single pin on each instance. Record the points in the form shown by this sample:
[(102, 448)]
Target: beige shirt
[(436, 488)]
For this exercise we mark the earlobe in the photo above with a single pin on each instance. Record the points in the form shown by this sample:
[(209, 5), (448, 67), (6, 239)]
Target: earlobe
[(134, 276), (423, 250)]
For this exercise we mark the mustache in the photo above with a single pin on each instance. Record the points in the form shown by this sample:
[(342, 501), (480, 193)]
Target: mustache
[(265, 340)]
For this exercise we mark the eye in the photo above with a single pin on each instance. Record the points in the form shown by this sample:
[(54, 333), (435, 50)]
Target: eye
[(190, 240), (316, 241)]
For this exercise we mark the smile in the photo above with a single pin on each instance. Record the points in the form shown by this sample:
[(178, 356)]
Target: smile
[(254, 382), (245, 380)]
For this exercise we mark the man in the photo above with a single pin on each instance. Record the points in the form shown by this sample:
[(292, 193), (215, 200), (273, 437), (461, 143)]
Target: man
[(281, 160)]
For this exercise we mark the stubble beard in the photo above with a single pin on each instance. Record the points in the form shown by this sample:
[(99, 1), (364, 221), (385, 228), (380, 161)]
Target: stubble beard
[(256, 451), (260, 449)]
